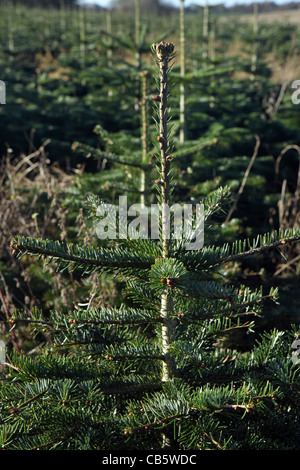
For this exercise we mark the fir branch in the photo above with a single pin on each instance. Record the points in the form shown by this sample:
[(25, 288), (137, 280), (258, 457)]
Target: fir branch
[(214, 202), (247, 325), (133, 352), (209, 290), (85, 258), (88, 151), (133, 357), (32, 399), (193, 413), (114, 316), (258, 250), (243, 305), (93, 316), (156, 424), (204, 72), (210, 256), (195, 148)]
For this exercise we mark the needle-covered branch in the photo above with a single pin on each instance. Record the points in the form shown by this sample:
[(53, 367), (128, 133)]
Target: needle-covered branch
[(211, 256), (79, 257)]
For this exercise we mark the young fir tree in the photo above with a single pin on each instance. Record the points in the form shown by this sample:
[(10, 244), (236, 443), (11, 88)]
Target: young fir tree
[(157, 371)]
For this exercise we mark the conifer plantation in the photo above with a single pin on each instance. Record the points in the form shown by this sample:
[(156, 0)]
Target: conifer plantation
[(170, 350)]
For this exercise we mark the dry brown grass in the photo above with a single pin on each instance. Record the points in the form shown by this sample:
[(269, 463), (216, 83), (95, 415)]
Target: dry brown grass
[(282, 17), (20, 175), (284, 71)]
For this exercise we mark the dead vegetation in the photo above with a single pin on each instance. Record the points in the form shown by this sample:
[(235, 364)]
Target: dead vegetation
[(24, 181)]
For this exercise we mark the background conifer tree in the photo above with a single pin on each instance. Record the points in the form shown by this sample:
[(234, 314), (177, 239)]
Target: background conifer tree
[(161, 370)]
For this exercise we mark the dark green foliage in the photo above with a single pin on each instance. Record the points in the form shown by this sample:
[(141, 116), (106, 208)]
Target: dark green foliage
[(100, 381)]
